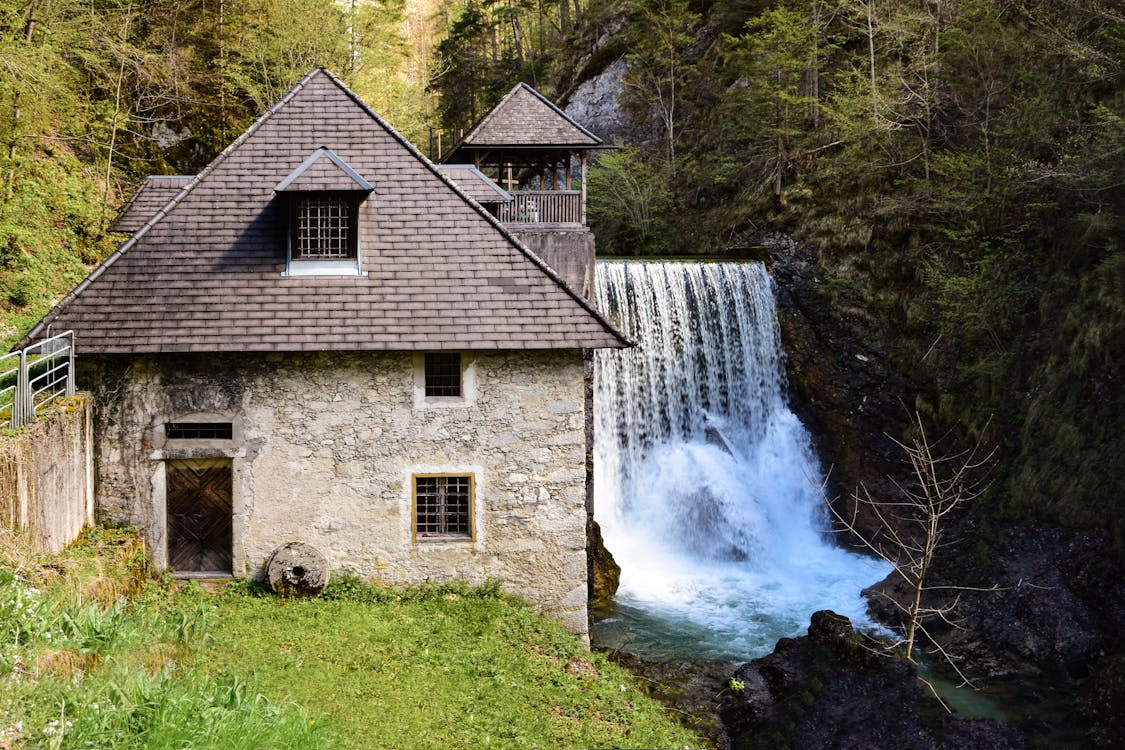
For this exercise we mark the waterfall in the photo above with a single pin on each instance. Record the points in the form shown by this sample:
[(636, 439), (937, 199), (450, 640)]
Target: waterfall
[(704, 483)]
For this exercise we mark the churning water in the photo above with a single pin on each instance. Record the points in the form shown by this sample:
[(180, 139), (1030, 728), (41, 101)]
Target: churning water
[(703, 487)]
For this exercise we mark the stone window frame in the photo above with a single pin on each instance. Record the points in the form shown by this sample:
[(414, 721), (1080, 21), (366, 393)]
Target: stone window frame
[(468, 537), (468, 382), (165, 449)]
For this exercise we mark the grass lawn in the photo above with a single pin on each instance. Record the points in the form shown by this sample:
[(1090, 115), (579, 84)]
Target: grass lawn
[(449, 670), (93, 654)]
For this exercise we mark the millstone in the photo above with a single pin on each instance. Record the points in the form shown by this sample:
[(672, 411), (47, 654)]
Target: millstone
[(297, 569)]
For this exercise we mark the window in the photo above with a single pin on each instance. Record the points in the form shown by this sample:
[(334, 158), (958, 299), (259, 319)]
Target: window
[(198, 430), (444, 380), (324, 228), (443, 374), (443, 506)]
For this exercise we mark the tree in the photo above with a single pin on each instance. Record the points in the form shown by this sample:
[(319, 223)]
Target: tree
[(909, 532), (629, 196), (660, 66), (774, 103)]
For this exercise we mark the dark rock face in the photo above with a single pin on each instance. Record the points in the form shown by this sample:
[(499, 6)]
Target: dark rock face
[(1054, 627), (1058, 610), (841, 382), (830, 690), (690, 687)]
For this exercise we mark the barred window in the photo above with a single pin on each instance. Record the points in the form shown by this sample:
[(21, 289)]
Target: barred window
[(198, 430), (443, 506), (443, 374), (324, 229)]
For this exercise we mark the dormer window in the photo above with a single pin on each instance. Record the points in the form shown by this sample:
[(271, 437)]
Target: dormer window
[(324, 228), (325, 198)]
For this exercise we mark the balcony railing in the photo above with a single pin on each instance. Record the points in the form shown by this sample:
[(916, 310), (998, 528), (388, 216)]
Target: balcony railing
[(543, 207)]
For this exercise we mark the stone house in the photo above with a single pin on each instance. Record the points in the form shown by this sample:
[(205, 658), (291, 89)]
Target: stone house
[(321, 338)]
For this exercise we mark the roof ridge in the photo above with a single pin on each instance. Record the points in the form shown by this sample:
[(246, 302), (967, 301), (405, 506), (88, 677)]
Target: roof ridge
[(559, 111), (496, 108), (316, 156)]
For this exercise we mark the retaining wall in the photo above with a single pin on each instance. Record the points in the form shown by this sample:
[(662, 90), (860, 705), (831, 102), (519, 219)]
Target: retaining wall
[(47, 475)]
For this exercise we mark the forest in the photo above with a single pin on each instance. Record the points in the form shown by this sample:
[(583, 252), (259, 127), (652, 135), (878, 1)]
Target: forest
[(957, 166)]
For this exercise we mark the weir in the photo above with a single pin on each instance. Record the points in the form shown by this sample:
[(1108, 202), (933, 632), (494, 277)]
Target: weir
[(705, 479)]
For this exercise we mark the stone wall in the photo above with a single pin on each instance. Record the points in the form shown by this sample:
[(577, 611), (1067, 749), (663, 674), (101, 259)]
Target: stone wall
[(324, 450), (568, 250), (46, 475)]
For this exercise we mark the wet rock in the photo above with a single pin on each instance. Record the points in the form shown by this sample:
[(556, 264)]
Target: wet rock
[(297, 569), (832, 689), (691, 688), (605, 573)]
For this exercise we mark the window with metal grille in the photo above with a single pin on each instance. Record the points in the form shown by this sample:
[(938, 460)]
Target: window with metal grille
[(443, 506), (443, 374), (198, 430), (324, 229)]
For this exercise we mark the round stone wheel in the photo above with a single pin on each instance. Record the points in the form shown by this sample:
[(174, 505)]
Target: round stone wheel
[(297, 569)]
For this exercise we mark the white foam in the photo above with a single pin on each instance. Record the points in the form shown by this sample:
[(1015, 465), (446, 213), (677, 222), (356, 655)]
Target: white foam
[(703, 486)]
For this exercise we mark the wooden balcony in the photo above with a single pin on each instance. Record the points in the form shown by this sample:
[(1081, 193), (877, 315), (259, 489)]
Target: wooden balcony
[(544, 207)]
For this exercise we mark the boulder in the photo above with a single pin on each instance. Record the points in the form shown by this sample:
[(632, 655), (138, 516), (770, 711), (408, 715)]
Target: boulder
[(834, 688)]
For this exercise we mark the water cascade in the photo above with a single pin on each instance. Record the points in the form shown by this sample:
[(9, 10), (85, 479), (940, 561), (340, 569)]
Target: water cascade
[(705, 479)]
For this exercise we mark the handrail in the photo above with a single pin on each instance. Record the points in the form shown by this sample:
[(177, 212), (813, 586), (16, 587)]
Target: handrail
[(44, 372)]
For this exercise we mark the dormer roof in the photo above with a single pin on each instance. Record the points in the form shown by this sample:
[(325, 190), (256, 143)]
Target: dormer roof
[(525, 118), (323, 170), (207, 271)]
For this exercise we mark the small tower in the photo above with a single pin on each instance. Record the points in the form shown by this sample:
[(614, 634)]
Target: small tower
[(537, 155)]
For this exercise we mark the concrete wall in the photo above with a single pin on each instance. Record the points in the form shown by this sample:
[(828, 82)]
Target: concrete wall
[(569, 251), (325, 446), (46, 475)]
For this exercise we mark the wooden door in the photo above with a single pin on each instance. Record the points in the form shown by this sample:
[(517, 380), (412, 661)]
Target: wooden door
[(199, 516)]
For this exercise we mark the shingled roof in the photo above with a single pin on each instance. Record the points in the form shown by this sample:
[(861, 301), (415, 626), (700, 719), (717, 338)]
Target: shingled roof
[(207, 271), (156, 190), (475, 183), (525, 118)]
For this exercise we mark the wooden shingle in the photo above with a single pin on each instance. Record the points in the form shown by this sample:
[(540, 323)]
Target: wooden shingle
[(525, 118), (207, 271), (152, 195)]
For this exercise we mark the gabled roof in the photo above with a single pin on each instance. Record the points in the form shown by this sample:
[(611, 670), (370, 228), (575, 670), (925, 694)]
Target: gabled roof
[(206, 272), (475, 183), (525, 118), (323, 170), (153, 193)]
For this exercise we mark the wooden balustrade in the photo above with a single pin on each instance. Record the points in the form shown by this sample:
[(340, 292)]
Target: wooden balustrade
[(543, 207)]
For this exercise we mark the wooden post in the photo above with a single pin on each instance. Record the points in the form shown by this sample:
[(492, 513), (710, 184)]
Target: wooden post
[(582, 169)]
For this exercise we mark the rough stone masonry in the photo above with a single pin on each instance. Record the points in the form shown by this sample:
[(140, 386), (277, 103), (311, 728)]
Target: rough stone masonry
[(324, 447)]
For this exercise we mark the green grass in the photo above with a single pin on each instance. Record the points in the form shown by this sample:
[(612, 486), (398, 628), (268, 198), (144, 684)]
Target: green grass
[(436, 672), (93, 653)]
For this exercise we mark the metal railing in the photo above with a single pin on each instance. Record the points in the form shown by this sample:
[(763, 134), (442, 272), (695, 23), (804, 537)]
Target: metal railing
[(543, 207), (34, 377)]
